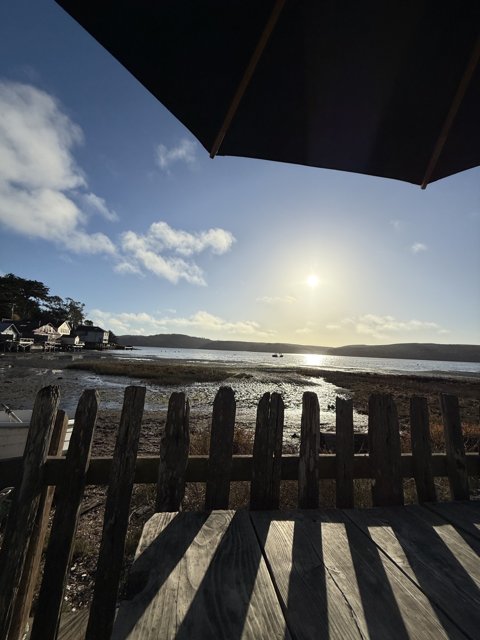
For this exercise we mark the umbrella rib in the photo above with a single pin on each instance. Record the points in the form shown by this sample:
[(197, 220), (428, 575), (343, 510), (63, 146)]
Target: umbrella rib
[(455, 106), (247, 76)]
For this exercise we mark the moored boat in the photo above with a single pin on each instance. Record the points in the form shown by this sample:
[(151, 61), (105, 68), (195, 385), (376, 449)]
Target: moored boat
[(14, 427)]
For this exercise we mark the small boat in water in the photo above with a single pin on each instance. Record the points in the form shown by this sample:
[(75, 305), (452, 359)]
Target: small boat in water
[(14, 427)]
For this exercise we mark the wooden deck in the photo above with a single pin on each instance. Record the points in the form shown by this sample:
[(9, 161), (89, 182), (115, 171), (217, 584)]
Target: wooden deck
[(394, 572)]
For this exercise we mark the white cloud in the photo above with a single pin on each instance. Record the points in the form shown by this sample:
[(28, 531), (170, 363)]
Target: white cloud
[(127, 268), (277, 299), (185, 243), (156, 251), (396, 224), (386, 327), (39, 178), (201, 322), (183, 152), (99, 205), (417, 247)]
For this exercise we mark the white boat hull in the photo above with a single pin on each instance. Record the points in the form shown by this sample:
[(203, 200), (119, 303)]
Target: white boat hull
[(13, 434)]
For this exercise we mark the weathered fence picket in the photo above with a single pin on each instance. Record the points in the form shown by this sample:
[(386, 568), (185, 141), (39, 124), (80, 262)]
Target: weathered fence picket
[(115, 523), (308, 471), (25, 503), (267, 453), (385, 450), (221, 449), (345, 452), (421, 449), (455, 447), (69, 495), (32, 562), (173, 455)]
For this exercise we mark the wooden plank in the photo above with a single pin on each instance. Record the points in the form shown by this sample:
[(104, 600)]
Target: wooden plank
[(73, 625), (173, 455), (345, 452), (308, 463), (333, 582), (267, 453), (200, 576), (421, 449), (464, 516), (221, 449), (32, 562), (430, 552), (455, 447), (64, 524), (115, 523), (26, 498), (385, 452)]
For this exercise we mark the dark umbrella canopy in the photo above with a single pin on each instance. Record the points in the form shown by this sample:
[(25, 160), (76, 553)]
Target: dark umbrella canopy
[(386, 88)]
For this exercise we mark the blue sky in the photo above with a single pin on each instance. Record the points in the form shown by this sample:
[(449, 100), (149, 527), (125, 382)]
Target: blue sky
[(106, 198)]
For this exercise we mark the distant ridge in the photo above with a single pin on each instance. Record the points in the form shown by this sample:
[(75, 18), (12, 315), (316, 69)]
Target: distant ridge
[(409, 351)]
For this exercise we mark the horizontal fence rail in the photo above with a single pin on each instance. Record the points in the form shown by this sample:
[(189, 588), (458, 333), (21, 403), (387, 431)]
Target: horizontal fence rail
[(147, 468)]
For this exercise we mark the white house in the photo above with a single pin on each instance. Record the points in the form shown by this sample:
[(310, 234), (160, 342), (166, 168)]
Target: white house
[(9, 332), (63, 329)]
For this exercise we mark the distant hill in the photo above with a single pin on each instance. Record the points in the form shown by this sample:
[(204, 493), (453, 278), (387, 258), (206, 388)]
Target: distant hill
[(409, 351)]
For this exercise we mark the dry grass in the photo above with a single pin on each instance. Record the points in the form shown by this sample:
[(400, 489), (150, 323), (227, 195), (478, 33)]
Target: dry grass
[(163, 374)]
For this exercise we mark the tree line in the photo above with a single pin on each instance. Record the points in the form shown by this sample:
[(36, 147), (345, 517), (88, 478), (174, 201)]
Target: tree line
[(22, 299)]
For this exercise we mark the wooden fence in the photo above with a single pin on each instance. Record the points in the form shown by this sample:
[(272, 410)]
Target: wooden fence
[(43, 468)]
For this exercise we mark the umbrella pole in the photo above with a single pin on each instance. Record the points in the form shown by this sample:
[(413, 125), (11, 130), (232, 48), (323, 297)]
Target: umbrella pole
[(247, 76)]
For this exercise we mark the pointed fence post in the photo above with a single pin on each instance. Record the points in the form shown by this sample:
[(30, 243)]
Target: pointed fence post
[(26, 499), (421, 449), (221, 450), (344, 452), (308, 464), (267, 453), (455, 447), (385, 450), (32, 563), (173, 455), (69, 496), (115, 522)]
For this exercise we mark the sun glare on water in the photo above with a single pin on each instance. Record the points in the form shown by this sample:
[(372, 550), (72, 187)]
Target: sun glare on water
[(312, 281)]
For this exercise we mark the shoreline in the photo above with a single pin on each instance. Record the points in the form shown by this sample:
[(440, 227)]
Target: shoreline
[(22, 375)]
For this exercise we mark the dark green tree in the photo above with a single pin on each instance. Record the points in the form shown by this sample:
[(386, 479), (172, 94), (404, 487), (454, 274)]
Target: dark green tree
[(75, 313), (21, 298)]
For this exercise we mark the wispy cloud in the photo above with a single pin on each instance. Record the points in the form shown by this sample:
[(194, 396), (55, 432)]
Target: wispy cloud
[(99, 205), (386, 327), (201, 322), (184, 151), (418, 247), (277, 299), (396, 224), (157, 251), (40, 181)]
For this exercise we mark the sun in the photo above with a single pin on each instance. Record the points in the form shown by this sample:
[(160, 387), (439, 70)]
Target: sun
[(312, 281)]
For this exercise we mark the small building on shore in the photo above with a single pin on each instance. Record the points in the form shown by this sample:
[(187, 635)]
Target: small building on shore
[(43, 333), (9, 336), (92, 336), (72, 343)]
